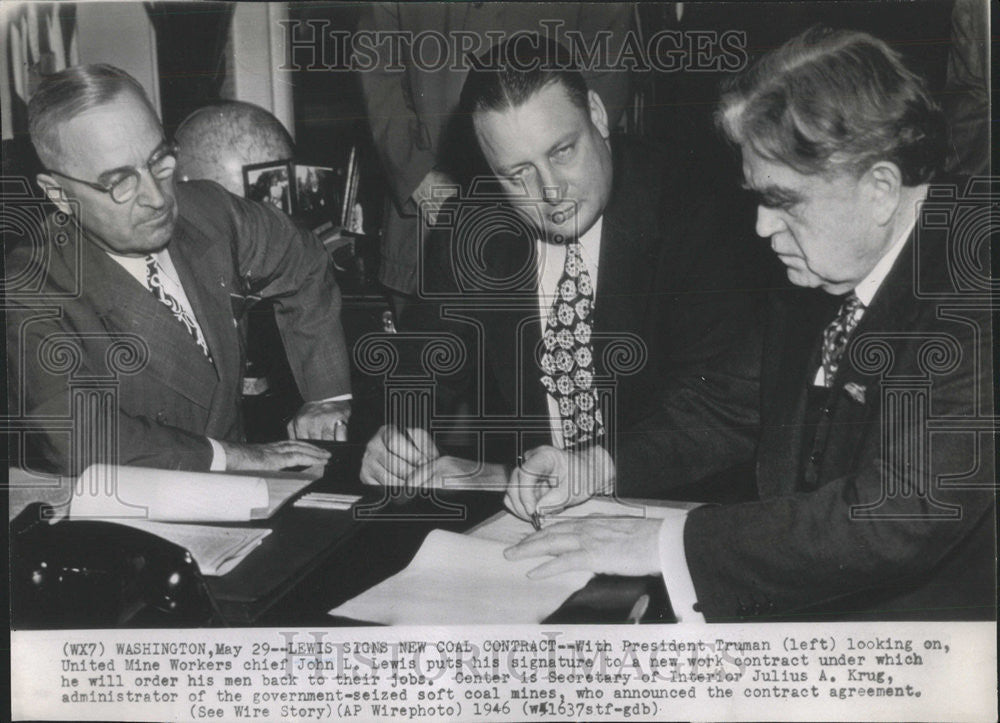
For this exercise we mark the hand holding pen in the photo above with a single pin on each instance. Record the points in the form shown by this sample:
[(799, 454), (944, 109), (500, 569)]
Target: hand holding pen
[(547, 480), (534, 486), (394, 453)]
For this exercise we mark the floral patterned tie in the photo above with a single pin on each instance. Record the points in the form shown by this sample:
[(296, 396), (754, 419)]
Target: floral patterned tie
[(567, 360), (154, 279), (837, 333)]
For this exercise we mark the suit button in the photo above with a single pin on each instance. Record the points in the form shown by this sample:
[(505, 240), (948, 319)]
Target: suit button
[(161, 417), (827, 411), (696, 607), (815, 457)]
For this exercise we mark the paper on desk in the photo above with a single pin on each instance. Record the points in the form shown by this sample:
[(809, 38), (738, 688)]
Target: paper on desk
[(508, 529), (110, 492), (460, 580), (217, 550)]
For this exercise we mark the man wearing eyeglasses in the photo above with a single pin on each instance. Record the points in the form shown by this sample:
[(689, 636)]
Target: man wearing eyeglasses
[(145, 287)]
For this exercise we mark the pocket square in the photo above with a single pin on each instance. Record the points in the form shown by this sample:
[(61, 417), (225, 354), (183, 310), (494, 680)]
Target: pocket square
[(855, 391)]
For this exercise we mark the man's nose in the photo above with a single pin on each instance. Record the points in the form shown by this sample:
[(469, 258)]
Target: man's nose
[(150, 193), (768, 222), (553, 187)]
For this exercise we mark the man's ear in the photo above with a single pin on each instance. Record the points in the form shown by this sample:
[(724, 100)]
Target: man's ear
[(885, 184), (54, 192), (598, 113)]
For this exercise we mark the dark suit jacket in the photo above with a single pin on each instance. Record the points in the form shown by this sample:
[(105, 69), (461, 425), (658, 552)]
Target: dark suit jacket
[(671, 304), (842, 526), (91, 323)]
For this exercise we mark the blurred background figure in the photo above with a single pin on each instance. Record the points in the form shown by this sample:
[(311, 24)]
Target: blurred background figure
[(218, 140), (966, 96), (215, 142)]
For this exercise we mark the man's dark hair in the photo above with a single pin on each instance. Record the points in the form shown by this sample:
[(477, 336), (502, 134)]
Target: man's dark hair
[(830, 100), (511, 72)]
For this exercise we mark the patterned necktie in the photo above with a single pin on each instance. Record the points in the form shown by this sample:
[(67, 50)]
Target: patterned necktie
[(837, 333), (154, 277), (568, 359)]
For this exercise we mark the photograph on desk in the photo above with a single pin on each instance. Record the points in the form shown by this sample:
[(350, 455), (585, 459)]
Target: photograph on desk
[(268, 183), (663, 328)]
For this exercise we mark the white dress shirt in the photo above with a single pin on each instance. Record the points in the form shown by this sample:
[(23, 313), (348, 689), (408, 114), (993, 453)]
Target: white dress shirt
[(673, 559), (551, 262)]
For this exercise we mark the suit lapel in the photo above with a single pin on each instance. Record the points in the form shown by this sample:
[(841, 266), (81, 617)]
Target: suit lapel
[(626, 262), (518, 371), (856, 392), (124, 305), (209, 293), (789, 362)]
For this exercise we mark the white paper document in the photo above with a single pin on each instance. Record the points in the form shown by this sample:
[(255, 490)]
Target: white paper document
[(217, 550), (462, 580), (110, 492), (505, 527)]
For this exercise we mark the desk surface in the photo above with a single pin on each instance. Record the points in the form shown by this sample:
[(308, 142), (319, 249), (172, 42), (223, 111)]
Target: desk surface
[(316, 559)]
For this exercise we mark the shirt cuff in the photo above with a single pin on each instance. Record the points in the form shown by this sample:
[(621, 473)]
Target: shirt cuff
[(218, 456), (676, 575), (341, 398), (604, 470)]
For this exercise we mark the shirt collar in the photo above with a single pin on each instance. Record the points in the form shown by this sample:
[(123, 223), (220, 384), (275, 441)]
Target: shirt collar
[(593, 234), (869, 285), (136, 265)]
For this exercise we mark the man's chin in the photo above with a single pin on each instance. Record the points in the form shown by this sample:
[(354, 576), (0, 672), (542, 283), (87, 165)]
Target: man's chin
[(804, 278), (574, 228), (158, 235)]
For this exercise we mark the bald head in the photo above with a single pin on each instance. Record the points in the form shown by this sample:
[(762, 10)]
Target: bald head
[(218, 140)]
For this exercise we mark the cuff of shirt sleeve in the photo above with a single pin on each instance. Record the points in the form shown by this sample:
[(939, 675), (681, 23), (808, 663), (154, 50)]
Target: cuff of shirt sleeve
[(340, 398), (676, 575), (218, 456), (604, 469)]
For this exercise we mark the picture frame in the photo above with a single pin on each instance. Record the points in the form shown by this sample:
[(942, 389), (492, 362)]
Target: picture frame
[(271, 182)]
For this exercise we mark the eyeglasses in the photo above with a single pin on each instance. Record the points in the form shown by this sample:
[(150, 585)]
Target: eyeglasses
[(125, 183)]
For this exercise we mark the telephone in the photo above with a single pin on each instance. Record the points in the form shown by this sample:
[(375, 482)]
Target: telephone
[(96, 574)]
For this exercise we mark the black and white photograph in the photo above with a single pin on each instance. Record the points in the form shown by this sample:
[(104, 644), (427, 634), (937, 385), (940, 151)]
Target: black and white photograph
[(316, 191), (500, 361), (269, 183)]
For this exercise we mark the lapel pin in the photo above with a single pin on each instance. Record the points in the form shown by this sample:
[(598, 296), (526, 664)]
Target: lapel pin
[(855, 391)]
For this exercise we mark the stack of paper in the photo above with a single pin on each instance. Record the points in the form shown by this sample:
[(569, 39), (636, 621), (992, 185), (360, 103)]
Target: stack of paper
[(156, 500), (217, 550), (460, 580)]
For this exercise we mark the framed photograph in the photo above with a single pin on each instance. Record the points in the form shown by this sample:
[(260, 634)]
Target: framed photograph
[(318, 193), (270, 183)]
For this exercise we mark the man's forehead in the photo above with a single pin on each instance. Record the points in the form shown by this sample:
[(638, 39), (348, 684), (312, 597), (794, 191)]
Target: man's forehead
[(762, 174), (122, 131), (530, 127)]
